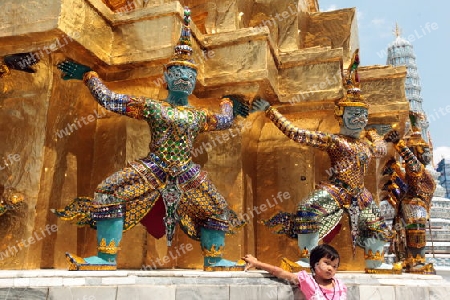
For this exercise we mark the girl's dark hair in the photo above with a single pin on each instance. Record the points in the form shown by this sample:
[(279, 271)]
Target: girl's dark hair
[(321, 251)]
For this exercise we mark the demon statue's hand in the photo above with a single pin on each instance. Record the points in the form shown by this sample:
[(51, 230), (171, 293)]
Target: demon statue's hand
[(19, 61), (259, 105), (388, 168), (392, 136), (380, 148), (72, 70), (240, 106)]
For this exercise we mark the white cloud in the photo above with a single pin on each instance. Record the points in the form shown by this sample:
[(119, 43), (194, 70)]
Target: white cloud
[(440, 153), (381, 27), (359, 15), (378, 22), (331, 7)]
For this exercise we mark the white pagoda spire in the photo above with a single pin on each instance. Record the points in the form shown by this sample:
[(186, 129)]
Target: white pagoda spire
[(401, 53)]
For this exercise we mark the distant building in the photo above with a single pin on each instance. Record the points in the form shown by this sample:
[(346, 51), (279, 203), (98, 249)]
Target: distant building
[(439, 239), (401, 53), (444, 178)]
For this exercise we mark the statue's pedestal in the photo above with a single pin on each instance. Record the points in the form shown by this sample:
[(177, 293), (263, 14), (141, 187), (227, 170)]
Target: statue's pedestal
[(196, 285)]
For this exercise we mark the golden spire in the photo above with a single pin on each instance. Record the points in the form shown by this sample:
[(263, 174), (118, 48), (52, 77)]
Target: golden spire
[(397, 31)]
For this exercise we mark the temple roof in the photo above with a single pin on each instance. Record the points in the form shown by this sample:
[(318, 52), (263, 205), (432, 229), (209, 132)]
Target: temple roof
[(399, 42)]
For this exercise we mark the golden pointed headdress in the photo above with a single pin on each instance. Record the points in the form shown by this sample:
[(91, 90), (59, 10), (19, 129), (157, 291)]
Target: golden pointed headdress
[(353, 92), (183, 50), (414, 137)]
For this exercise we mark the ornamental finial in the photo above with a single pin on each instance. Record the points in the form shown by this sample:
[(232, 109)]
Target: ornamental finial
[(397, 31)]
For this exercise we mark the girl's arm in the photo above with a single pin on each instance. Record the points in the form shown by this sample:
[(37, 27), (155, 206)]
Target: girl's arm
[(316, 139), (276, 271)]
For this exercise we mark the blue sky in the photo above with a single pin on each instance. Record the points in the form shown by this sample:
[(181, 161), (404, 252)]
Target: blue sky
[(376, 22)]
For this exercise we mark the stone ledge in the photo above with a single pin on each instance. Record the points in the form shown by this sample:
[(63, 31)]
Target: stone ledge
[(195, 284)]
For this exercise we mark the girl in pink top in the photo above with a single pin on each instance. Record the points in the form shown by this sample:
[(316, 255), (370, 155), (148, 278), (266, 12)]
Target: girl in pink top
[(320, 284)]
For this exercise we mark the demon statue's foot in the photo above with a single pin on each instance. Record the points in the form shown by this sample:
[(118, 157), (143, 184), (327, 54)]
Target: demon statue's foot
[(221, 264), (93, 263), (421, 268), (303, 264), (213, 242), (294, 267), (383, 268), (374, 258)]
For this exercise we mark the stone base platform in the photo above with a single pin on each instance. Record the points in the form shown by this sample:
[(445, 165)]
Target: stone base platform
[(200, 285)]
